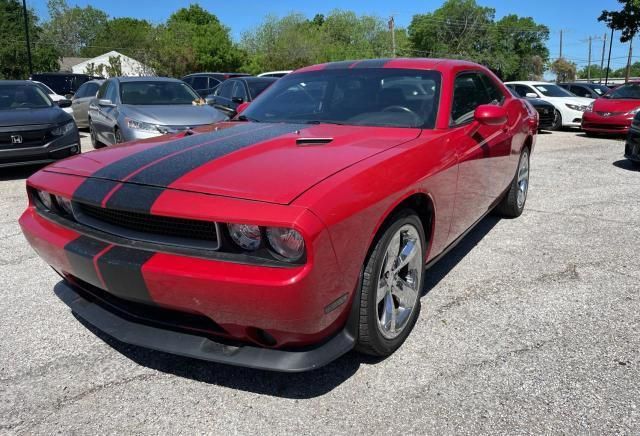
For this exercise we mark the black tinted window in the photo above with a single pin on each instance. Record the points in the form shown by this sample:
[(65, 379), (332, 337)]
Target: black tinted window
[(494, 93), (199, 83), (257, 87), (156, 93), (239, 91), (469, 92), (580, 91), (22, 97), (225, 89)]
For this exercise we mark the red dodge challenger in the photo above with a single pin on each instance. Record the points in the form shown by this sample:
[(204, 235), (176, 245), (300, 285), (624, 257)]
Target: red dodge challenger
[(296, 232)]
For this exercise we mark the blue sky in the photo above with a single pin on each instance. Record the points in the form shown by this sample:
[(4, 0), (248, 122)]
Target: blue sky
[(577, 18)]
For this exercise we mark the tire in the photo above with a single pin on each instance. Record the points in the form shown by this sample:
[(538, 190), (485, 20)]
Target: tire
[(117, 135), (386, 322), (94, 139), (557, 121), (512, 204)]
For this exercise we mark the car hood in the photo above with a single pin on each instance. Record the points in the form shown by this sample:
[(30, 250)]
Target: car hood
[(580, 101), (29, 117), (615, 105), (256, 161), (173, 115)]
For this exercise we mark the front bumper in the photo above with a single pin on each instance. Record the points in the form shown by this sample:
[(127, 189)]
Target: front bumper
[(199, 347), (595, 123), (52, 151)]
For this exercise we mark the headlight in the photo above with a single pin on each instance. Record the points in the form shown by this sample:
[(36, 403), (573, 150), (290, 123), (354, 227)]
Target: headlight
[(288, 243), (246, 236), (633, 112), (63, 129), (65, 205), (141, 125), (45, 198), (590, 108), (576, 107)]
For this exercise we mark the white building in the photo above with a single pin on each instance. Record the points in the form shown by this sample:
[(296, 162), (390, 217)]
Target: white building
[(129, 66)]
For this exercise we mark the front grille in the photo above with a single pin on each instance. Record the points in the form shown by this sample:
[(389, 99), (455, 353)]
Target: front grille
[(546, 116), (610, 114), (147, 227), (33, 138)]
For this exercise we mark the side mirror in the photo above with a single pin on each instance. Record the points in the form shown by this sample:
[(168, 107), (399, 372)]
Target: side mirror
[(490, 115), (238, 100), (69, 96), (531, 95), (241, 107), (105, 102), (64, 103)]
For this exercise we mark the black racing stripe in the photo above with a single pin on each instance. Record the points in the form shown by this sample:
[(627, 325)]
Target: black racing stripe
[(80, 253), (339, 65), (121, 270), (92, 191), (127, 165), (372, 63), (169, 170)]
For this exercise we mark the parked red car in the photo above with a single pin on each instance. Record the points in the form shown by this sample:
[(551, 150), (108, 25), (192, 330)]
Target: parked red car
[(614, 112), (299, 231)]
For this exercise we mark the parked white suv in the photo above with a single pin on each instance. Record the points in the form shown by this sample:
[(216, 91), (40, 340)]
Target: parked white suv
[(569, 107)]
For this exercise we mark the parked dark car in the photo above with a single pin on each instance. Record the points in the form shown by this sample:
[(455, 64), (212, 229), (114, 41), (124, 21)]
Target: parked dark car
[(33, 129), (632, 147), (206, 83), (232, 93), (589, 90), (63, 83), (546, 111)]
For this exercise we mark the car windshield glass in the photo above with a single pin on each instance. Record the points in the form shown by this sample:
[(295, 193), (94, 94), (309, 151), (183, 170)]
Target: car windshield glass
[(361, 97), (628, 91), (257, 87), (599, 89), (22, 97), (156, 93), (551, 90)]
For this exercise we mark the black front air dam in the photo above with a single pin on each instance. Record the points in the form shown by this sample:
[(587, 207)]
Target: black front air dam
[(198, 347)]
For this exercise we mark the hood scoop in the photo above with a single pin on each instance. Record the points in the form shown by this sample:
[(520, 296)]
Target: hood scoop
[(312, 141)]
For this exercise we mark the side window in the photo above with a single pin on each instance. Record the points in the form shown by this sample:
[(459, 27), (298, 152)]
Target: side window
[(239, 91), (495, 94), (468, 93), (225, 89), (91, 90), (580, 91), (82, 91), (103, 90), (112, 92), (522, 90), (188, 80), (213, 83)]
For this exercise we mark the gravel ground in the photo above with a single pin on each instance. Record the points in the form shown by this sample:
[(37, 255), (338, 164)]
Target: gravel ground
[(529, 326)]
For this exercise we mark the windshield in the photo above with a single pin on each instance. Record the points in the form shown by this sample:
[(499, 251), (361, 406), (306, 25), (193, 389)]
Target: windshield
[(628, 91), (600, 89), (551, 90), (156, 93), (23, 97), (257, 87), (362, 97), (44, 88)]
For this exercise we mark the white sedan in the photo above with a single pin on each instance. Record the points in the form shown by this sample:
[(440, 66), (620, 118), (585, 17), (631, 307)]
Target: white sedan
[(53, 96), (569, 107)]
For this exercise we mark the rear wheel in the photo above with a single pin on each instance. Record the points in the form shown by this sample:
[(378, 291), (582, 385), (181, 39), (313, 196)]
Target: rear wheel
[(117, 134), (513, 202), (391, 286), (94, 138)]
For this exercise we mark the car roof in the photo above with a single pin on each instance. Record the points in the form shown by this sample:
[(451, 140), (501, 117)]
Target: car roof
[(125, 79), (217, 74), (17, 82), (528, 82), (255, 79), (400, 63)]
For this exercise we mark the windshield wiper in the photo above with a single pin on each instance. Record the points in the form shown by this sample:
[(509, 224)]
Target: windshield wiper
[(324, 122), (246, 118)]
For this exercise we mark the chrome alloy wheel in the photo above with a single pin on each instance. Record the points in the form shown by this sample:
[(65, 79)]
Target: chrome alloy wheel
[(523, 178), (398, 281)]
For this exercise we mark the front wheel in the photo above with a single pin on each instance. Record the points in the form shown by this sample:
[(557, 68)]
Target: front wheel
[(391, 286), (557, 121), (117, 134), (513, 202), (94, 138)]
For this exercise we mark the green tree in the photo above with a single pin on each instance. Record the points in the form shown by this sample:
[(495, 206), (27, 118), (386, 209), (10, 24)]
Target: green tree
[(628, 21), (73, 29), (596, 72), (193, 40), (564, 70), (129, 36), (514, 47), (13, 51)]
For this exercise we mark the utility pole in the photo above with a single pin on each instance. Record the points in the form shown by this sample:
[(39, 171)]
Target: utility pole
[(589, 62), (392, 29), (560, 43), (604, 49), (606, 80), (26, 33), (628, 71)]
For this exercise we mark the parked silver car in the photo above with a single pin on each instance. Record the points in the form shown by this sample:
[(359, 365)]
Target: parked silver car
[(128, 108), (81, 99)]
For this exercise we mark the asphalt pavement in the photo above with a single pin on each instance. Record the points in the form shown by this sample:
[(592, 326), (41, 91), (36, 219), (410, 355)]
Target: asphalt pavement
[(529, 326)]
